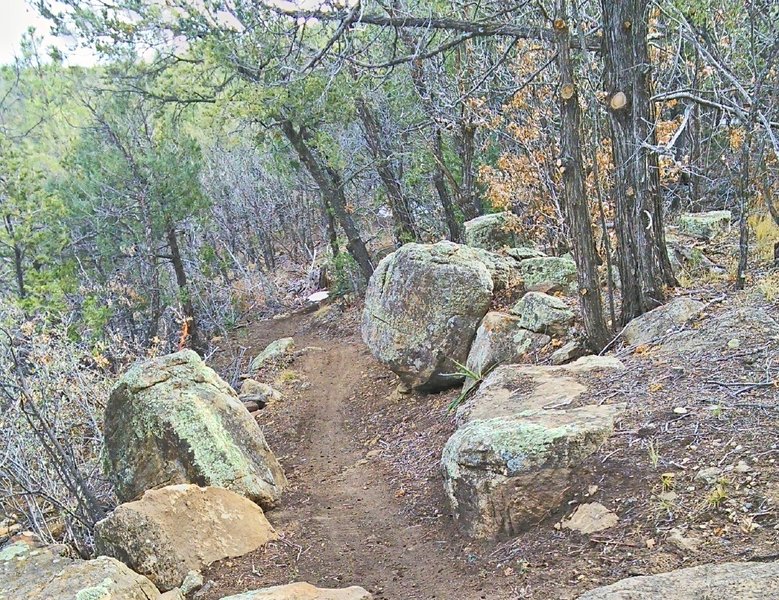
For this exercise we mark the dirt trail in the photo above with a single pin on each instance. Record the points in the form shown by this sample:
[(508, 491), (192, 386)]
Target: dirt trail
[(343, 520)]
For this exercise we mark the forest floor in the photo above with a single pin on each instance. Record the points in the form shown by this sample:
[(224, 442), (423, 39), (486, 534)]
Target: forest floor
[(366, 505)]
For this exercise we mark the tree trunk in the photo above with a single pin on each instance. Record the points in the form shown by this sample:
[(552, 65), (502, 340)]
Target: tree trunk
[(577, 209), (401, 213), (191, 337), (643, 262), (455, 233), (469, 200), (18, 259), (331, 187)]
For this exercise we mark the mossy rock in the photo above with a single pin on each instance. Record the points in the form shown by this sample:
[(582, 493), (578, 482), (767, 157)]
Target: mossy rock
[(173, 420), (549, 272), (705, 224), (494, 231)]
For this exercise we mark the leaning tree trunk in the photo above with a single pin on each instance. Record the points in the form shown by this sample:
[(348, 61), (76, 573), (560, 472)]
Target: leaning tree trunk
[(191, 334), (455, 231), (644, 267), (331, 187), (401, 213), (578, 212)]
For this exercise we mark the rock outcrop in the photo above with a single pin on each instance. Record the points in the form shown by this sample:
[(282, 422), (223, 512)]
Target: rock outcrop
[(512, 461), (651, 327), (501, 339), (32, 572), (303, 591), (177, 529), (422, 308), (705, 224), (549, 273), (543, 313), (172, 420), (726, 581), (494, 231)]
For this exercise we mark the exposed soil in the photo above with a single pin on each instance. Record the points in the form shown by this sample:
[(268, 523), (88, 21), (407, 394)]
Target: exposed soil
[(366, 505)]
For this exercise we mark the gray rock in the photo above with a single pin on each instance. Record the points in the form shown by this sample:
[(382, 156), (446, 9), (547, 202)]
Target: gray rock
[(569, 352), (726, 581), (511, 462), (653, 326), (705, 224), (501, 339), (494, 231), (178, 530), (549, 272), (504, 474), (422, 308), (543, 313), (32, 572), (273, 352), (524, 252), (173, 420)]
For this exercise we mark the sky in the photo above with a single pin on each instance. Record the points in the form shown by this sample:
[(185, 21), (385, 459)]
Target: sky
[(15, 17)]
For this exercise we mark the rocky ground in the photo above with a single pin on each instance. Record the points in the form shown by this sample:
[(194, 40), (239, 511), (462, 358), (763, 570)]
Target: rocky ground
[(690, 471)]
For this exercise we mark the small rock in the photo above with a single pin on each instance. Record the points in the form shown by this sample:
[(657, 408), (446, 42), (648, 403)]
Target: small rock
[(591, 518), (570, 351), (543, 313), (685, 543), (303, 591), (192, 582), (318, 296), (742, 467), (273, 351), (734, 344), (680, 410), (709, 475)]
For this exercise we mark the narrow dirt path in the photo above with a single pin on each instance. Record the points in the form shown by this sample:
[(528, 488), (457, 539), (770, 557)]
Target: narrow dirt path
[(343, 521)]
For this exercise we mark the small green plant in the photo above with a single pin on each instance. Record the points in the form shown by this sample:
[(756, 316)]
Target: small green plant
[(288, 376), (654, 454), (719, 494), (667, 481), (465, 394)]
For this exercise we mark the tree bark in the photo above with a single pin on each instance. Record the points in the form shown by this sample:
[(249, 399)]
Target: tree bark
[(643, 262), (469, 200), (455, 232), (577, 209), (18, 258), (401, 213), (192, 337), (331, 186)]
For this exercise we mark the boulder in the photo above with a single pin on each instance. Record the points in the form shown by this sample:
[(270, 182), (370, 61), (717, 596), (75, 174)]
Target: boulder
[(258, 393), (507, 278), (705, 224), (505, 474), (548, 273), (29, 571), (494, 231), (524, 252), (501, 339), (725, 581), (423, 305), (303, 591), (181, 528), (273, 352), (569, 352), (543, 313), (651, 327), (513, 459), (172, 420)]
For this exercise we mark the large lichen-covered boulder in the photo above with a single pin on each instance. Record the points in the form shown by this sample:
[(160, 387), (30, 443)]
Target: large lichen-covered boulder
[(173, 420), (543, 313), (507, 279), (651, 327), (303, 591), (725, 581), (549, 272), (504, 474), (177, 529), (705, 224), (494, 231), (512, 461), (29, 571), (501, 339), (423, 305)]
